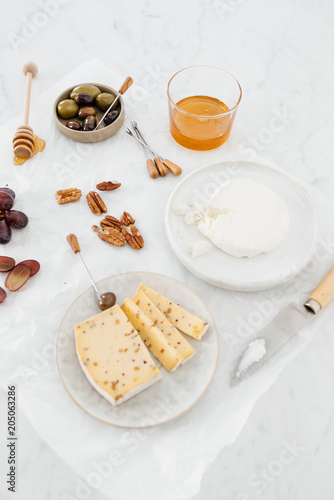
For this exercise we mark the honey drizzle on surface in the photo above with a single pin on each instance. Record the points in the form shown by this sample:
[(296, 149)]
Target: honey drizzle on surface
[(38, 147)]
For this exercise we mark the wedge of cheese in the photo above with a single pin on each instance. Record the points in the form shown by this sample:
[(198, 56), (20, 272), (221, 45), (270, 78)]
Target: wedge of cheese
[(153, 338), (182, 320), (113, 357), (172, 335)]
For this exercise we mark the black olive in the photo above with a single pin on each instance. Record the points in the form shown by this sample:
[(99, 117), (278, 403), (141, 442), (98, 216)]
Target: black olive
[(111, 117)]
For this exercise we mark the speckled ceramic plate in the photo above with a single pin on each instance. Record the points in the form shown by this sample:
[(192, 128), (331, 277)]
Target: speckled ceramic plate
[(244, 274), (164, 401)]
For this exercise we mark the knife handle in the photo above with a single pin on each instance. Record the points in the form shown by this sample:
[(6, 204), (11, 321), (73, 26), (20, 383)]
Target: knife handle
[(323, 294)]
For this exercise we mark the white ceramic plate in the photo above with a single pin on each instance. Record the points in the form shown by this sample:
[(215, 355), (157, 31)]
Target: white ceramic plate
[(164, 401), (244, 274)]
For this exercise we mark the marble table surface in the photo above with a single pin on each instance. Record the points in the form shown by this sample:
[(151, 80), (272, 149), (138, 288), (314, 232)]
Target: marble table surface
[(281, 53)]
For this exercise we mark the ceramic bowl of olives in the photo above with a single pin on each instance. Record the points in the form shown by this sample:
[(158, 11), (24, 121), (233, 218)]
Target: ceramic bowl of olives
[(78, 109)]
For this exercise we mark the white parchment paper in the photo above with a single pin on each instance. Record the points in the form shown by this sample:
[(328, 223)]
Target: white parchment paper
[(165, 462)]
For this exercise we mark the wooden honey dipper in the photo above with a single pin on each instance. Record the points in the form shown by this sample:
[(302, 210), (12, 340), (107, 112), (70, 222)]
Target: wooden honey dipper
[(24, 140)]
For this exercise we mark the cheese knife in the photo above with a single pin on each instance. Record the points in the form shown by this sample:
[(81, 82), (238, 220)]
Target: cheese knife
[(282, 328)]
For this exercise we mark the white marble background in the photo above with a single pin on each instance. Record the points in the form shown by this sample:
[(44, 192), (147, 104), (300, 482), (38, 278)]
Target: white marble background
[(282, 53)]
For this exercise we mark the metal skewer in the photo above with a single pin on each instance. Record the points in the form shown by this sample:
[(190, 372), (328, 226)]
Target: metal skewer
[(140, 136), (151, 166), (105, 300), (162, 169), (175, 169), (128, 131), (126, 85)]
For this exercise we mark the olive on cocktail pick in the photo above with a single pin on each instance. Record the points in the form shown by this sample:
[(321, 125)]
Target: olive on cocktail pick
[(105, 300), (111, 117)]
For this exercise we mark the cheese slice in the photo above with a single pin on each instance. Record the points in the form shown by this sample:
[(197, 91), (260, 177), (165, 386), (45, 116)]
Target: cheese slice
[(153, 338), (113, 357), (173, 336), (183, 320)]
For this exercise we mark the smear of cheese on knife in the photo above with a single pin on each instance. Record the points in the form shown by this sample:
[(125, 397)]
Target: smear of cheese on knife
[(182, 320), (113, 357), (153, 338), (173, 336)]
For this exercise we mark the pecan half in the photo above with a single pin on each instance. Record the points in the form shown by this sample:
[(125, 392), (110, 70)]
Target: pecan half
[(95, 203), (68, 195), (112, 236), (108, 185), (110, 221), (127, 219), (133, 237)]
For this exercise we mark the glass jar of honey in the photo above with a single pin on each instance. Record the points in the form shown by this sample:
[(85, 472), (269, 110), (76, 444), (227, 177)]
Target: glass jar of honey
[(203, 101)]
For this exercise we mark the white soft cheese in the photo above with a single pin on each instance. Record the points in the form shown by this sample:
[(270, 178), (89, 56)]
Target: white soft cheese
[(244, 218), (180, 210), (195, 215), (197, 248), (254, 352)]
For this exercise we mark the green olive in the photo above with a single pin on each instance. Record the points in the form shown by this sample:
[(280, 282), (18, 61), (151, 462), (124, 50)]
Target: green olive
[(67, 108), (86, 89), (104, 100)]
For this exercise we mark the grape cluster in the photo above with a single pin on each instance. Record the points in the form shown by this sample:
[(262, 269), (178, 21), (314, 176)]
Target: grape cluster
[(9, 218)]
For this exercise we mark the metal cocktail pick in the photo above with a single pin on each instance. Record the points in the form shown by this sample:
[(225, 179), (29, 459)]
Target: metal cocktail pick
[(105, 300), (175, 169), (126, 85)]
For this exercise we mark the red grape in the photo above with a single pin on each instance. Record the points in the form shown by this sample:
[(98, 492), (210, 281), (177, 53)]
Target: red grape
[(17, 277), (9, 191), (33, 265), (5, 232), (6, 263), (3, 295), (6, 201), (16, 219)]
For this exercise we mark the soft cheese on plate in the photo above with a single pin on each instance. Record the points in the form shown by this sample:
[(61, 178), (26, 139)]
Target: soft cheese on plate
[(182, 320), (245, 218), (113, 357), (198, 248), (173, 336), (152, 336)]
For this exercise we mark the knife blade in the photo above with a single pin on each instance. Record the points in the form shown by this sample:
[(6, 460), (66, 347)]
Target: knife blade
[(281, 329)]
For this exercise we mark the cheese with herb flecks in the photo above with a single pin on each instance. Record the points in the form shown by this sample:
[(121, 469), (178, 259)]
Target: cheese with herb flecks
[(113, 357), (153, 338), (182, 320), (173, 336)]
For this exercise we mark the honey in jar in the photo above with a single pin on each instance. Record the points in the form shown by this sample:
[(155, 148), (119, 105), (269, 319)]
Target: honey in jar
[(200, 122)]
